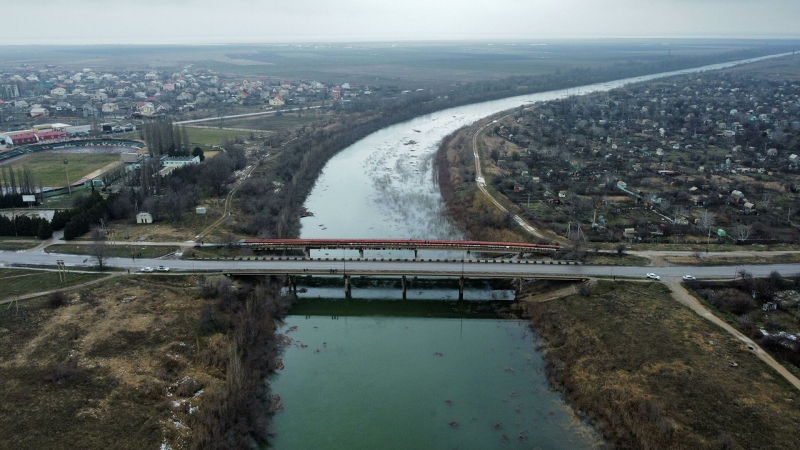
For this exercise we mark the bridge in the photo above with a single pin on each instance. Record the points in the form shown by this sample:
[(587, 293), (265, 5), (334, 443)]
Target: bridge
[(306, 245), (404, 273)]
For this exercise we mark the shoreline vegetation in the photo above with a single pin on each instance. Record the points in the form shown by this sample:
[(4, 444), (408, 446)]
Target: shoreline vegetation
[(141, 362), (300, 163), (650, 373)]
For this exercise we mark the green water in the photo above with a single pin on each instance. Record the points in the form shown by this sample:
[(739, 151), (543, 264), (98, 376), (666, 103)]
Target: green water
[(387, 382)]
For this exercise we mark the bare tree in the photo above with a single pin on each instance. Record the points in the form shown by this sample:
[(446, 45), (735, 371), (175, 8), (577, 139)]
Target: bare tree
[(707, 220), (766, 199), (741, 231), (99, 249)]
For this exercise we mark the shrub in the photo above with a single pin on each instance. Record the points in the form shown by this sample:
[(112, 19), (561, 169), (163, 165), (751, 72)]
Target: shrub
[(62, 372), (56, 299)]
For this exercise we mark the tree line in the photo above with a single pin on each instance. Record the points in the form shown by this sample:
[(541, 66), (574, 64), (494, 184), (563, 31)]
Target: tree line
[(164, 138), (26, 226)]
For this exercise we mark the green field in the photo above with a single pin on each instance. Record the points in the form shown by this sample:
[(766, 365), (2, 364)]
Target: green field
[(50, 166), (213, 137), (114, 251), (22, 281)]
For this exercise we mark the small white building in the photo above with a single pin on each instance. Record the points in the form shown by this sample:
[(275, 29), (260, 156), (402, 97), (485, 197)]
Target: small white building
[(180, 161), (144, 218), (200, 210)]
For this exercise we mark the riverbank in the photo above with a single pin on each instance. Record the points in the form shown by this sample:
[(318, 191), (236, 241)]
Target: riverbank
[(652, 374), (300, 164)]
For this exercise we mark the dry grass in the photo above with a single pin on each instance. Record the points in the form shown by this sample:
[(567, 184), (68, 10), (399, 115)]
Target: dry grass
[(655, 375), (732, 261), (103, 373)]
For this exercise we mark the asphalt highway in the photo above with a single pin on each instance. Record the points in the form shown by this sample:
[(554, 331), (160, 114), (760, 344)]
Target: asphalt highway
[(399, 267)]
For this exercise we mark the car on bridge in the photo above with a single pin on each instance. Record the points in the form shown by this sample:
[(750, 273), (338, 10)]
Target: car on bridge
[(148, 270), (653, 276), (162, 269)]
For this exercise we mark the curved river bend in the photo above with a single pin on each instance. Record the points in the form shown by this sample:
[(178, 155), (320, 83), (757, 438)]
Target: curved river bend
[(382, 186), (377, 380)]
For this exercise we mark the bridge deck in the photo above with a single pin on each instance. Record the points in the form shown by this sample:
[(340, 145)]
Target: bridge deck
[(397, 244)]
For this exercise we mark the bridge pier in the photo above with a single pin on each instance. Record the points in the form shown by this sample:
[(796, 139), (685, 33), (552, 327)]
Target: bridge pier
[(405, 287), (361, 253), (307, 252), (347, 289), (293, 283), (461, 288), (416, 254), (519, 286)]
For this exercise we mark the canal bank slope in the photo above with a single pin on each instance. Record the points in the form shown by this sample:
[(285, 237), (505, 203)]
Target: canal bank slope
[(652, 374)]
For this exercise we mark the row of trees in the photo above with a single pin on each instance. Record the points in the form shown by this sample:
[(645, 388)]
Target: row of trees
[(163, 137), (16, 181), (26, 226)]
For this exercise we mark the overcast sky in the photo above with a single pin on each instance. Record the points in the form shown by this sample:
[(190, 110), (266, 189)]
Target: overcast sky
[(244, 21)]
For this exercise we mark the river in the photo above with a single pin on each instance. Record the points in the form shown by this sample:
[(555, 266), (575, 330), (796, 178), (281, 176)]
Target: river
[(368, 376), (382, 186), (362, 378)]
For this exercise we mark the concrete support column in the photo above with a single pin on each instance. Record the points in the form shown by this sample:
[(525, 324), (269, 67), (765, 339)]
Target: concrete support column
[(519, 285), (405, 287), (416, 254), (307, 252), (361, 253), (461, 288), (293, 283), (347, 290)]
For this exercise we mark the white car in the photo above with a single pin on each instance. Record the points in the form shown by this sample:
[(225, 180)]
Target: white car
[(653, 276), (147, 269), (162, 269), (689, 278)]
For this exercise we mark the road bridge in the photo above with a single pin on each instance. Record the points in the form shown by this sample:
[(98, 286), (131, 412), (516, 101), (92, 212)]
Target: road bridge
[(306, 245), (404, 274)]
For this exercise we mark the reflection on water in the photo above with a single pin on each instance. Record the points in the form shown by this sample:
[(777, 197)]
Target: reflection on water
[(367, 382)]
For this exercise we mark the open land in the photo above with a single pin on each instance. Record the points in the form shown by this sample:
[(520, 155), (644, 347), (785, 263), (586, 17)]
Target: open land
[(17, 282), (652, 374), (109, 366)]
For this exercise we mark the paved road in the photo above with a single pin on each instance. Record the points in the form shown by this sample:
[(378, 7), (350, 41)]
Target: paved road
[(405, 266), (236, 116)]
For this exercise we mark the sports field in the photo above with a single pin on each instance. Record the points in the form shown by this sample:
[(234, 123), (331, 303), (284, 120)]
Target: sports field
[(50, 166)]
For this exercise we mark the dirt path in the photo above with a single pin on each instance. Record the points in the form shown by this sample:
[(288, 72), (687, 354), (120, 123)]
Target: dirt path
[(683, 296), (530, 229)]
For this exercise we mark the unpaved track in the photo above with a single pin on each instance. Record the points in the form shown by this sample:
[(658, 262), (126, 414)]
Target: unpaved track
[(682, 295)]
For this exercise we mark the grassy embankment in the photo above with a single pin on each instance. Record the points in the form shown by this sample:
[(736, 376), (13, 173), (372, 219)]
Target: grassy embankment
[(14, 245), (733, 260), (652, 374), (135, 362), (114, 251), (17, 282)]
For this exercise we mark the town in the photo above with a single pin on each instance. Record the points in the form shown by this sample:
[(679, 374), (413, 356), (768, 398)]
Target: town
[(666, 161)]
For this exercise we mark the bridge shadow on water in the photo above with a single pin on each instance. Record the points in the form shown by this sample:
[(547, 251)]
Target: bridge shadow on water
[(326, 296)]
